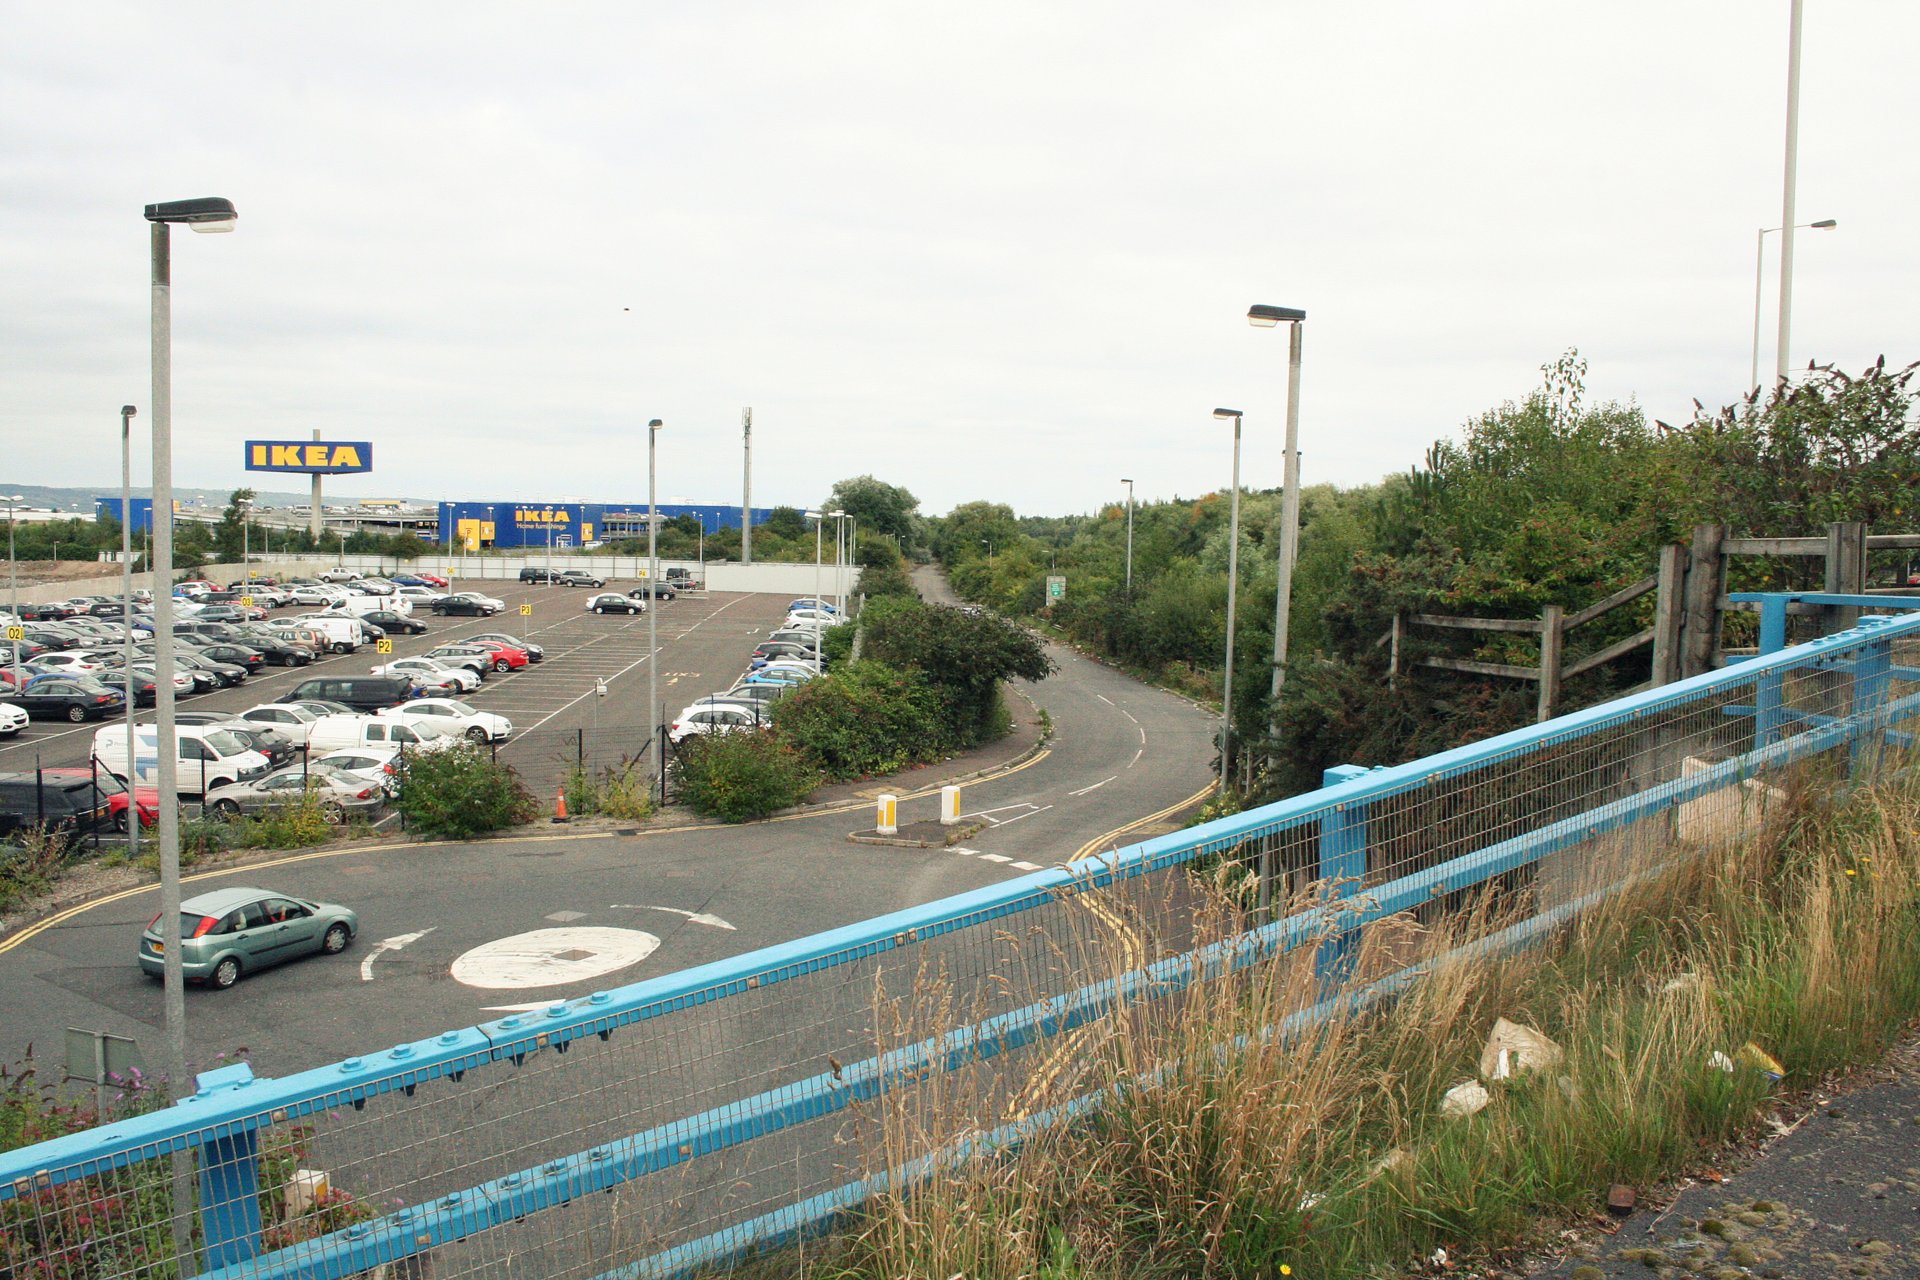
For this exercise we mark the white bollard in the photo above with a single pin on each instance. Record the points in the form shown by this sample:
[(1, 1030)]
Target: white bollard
[(884, 821), (949, 806)]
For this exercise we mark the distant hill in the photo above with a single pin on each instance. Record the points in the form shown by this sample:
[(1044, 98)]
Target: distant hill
[(80, 501)]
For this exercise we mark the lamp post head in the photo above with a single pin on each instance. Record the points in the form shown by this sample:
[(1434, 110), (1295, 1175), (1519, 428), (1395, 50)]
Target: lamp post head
[(127, 411), (1265, 317), (1825, 224), (206, 214), (653, 424), (1224, 414)]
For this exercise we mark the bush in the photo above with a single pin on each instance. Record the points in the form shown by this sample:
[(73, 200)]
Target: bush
[(460, 793), (865, 719), (30, 864), (624, 791), (738, 777)]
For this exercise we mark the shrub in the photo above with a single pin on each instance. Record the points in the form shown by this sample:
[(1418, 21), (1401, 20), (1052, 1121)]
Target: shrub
[(623, 791), (738, 777), (865, 719), (460, 793), (30, 864)]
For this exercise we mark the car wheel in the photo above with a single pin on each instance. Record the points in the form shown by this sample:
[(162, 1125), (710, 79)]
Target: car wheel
[(501, 664), (477, 734), (225, 974), (76, 714), (120, 822), (334, 814), (599, 608), (226, 809)]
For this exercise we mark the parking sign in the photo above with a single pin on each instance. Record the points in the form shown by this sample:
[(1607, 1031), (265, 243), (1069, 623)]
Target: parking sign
[(383, 646), (526, 611)]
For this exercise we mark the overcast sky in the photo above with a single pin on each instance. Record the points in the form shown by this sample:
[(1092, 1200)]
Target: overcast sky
[(982, 251)]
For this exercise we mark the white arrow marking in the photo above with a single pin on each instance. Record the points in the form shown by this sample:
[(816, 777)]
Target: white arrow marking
[(698, 917), (385, 945)]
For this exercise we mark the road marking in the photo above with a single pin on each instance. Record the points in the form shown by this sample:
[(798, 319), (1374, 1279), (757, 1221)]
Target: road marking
[(1104, 698), (994, 857), (1027, 866), (697, 917), (385, 945), (1128, 714), (1136, 757), (551, 957), (1095, 787)]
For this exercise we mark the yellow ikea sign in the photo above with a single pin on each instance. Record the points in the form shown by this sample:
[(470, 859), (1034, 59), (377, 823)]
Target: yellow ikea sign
[(541, 516), (312, 456)]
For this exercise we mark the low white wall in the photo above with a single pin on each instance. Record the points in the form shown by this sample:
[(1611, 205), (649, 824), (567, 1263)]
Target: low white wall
[(109, 585), (771, 579)]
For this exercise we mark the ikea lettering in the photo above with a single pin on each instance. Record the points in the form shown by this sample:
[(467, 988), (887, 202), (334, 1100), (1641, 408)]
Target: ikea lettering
[(314, 457), (546, 515)]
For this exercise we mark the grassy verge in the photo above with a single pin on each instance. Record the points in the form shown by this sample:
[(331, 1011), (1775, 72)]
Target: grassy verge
[(1329, 1155)]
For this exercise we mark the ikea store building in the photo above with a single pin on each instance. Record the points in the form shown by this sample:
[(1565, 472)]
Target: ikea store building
[(474, 526)]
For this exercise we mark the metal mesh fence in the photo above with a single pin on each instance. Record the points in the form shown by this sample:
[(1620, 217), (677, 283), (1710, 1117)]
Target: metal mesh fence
[(674, 1122)]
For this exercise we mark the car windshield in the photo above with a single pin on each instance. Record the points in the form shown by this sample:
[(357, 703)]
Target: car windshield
[(223, 742)]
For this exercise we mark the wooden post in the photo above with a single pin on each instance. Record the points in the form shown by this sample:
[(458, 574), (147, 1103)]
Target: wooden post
[(1552, 637), (1393, 653), (1668, 611), (1846, 570), (1700, 628)]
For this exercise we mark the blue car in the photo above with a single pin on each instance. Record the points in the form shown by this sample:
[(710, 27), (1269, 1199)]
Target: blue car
[(408, 580)]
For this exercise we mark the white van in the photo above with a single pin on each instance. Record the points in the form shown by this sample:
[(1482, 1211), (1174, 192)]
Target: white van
[(337, 733), (359, 604), (343, 634), (205, 755)]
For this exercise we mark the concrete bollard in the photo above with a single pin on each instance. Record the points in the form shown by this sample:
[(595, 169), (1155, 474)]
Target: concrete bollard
[(949, 806), (885, 820)]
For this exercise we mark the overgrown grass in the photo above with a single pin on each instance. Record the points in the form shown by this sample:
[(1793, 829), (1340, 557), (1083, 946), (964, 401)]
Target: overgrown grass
[(623, 791), (30, 863), (1224, 1150)]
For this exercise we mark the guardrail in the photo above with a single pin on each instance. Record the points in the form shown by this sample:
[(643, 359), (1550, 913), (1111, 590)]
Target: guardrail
[(727, 1106)]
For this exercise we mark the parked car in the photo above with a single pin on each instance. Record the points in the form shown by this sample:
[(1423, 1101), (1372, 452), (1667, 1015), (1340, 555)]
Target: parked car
[(613, 602), (533, 651), (238, 654), (338, 733), (654, 589), (339, 573), (205, 756), (231, 932), (455, 717), (476, 658), (713, 718), (467, 604), (579, 578), (339, 798), (317, 595), (430, 673), (362, 693), (139, 686), (63, 697), (289, 718), (77, 662), (394, 624), (120, 801), (506, 657), (61, 804), (12, 718), (280, 749), (374, 764), (531, 574)]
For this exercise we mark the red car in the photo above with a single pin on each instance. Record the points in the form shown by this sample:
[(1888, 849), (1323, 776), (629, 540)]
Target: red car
[(516, 658), (435, 579), (115, 794)]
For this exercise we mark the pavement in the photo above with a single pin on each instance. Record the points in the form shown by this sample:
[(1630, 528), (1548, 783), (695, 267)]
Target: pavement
[(1832, 1191)]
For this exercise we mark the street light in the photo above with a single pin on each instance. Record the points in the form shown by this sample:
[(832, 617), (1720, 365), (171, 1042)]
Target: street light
[(245, 507), (840, 519), (13, 584), (1759, 262), (1129, 484), (209, 214), (1265, 317), (1233, 591), (819, 519), (653, 608), (127, 412)]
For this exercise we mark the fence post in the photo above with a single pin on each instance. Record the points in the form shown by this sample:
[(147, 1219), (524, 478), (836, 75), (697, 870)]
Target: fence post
[(1343, 868), (1770, 697), (1872, 681), (1846, 570), (229, 1181), (1668, 612), (580, 750), (1552, 640), (1706, 571)]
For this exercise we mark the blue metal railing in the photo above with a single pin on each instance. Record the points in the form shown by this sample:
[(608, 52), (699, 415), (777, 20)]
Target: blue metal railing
[(1841, 691)]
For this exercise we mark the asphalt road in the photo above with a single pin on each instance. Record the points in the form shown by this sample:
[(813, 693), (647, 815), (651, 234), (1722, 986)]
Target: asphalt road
[(441, 943)]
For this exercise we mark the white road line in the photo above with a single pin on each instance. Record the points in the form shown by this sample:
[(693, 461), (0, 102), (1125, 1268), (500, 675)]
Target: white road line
[(1128, 714), (1040, 809), (994, 857), (385, 945), (1136, 757), (1143, 737), (697, 917), (1027, 866), (1104, 698), (1095, 787)]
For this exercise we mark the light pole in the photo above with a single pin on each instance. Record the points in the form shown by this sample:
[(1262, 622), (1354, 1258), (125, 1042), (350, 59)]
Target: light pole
[(205, 215), (1129, 484), (1265, 317), (13, 585), (1233, 592), (653, 608), (1759, 261), (839, 561), (126, 621), (1788, 182), (819, 519)]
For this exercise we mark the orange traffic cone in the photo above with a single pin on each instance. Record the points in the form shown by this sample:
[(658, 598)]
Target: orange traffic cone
[(560, 806)]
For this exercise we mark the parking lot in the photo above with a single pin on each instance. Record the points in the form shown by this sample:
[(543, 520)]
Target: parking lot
[(558, 713)]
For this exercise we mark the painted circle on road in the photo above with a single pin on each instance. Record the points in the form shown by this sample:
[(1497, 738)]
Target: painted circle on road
[(552, 957)]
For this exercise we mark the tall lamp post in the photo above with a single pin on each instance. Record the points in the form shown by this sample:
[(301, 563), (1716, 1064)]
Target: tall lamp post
[(208, 214), (1233, 592), (653, 608), (1129, 484), (126, 621), (819, 519), (1759, 262), (839, 561), (245, 507), (1789, 181), (13, 583), (1265, 317)]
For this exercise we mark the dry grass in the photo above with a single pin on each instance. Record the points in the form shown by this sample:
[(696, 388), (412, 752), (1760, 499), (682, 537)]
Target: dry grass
[(1223, 1149)]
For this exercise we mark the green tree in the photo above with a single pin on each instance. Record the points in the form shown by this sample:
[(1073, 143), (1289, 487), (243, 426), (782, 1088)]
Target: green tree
[(965, 654), (878, 508)]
